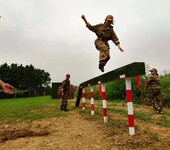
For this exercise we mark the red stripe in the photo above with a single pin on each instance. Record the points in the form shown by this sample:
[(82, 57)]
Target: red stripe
[(83, 104), (129, 95), (138, 80), (92, 107), (83, 94), (103, 95), (104, 112), (131, 120), (92, 94), (100, 90)]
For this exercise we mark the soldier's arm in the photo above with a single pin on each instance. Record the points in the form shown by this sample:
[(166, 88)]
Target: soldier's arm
[(151, 78), (148, 82), (146, 85), (62, 87), (116, 41), (88, 25)]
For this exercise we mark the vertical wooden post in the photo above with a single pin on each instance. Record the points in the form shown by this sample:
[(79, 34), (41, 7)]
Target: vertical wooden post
[(92, 100), (130, 106), (79, 96), (83, 99), (104, 103)]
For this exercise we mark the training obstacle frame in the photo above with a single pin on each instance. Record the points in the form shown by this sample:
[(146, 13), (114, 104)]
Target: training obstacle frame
[(126, 72)]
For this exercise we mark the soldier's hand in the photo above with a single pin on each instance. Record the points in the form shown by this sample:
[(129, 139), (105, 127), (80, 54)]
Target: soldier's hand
[(83, 17), (120, 48), (7, 88)]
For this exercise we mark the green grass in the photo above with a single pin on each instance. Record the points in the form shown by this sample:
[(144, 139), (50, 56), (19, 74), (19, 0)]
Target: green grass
[(34, 108), (31, 109)]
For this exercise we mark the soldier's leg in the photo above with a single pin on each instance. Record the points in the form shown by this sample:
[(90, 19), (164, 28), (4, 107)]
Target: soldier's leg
[(104, 57), (65, 102), (62, 102), (103, 48), (153, 101), (65, 106), (159, 102), (104, 53)]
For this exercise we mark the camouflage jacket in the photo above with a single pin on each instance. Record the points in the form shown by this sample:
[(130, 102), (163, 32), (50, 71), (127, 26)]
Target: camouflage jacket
[(154, 82), (65, 86), (104, 32)]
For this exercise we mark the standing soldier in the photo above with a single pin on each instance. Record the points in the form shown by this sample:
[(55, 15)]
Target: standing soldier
[(65, 92), (104, 33), (155, 94)]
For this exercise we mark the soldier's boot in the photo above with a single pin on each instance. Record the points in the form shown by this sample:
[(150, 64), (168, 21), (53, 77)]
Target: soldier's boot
[(101, 65), (61, 108), (160, 110), (65, 108)]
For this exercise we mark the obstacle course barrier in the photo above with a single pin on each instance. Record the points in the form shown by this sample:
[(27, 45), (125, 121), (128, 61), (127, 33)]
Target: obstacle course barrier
[(126, 72), (92, 100)]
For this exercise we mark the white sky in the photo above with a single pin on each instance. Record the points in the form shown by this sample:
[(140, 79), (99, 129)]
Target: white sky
[(50, 35)]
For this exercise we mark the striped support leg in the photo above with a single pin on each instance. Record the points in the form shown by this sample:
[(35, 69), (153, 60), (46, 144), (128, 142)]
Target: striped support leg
[(130, 106), (92, 100), (104, 103), (83, 99)]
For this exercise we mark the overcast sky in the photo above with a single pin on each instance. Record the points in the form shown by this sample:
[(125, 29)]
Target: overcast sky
[(50, 35)]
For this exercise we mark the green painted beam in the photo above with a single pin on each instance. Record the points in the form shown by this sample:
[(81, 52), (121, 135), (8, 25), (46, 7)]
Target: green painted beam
[(130, 70)]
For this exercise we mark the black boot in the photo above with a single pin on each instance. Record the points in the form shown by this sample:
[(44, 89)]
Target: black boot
[(107, 59), (66, 109), (101, 65), (61, 108)]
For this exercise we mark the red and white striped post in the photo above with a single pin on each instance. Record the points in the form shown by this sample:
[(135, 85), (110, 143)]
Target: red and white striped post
[(104, 103), (83, 98), (92, 100), (130, 106)]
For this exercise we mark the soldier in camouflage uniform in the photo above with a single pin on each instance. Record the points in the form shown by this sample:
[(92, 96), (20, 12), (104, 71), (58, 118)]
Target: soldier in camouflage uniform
[(155, 95), (65, 92), (104, 32)]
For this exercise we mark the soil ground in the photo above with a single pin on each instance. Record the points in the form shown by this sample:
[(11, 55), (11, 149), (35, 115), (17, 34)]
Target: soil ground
[(81, 131)]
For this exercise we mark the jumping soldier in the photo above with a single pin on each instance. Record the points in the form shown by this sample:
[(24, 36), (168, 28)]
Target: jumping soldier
[(104, 32), (155, 94), (65, 93)]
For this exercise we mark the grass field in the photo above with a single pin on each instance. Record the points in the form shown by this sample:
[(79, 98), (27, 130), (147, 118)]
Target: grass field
[(34, 108), (44, 114)]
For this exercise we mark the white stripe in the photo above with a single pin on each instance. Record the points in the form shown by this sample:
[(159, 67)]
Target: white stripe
[(92, 100), (92, 112), (104, 104), (83, 99), (122, 76), (105, 119), (131, 130), (83, 108), (103, 87), (128, 83), (130, 108), (91, 89)]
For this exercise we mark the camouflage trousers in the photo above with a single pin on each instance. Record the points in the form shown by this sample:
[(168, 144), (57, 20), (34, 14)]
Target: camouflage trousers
[(104, 50), (64, 102), (156, 99)]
